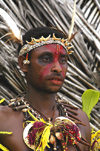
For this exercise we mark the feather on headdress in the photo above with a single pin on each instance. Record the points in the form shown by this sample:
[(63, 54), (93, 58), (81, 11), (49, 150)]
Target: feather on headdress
[(16, 33)]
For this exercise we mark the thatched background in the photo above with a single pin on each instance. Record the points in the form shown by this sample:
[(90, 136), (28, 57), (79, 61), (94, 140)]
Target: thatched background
[(84, 63)]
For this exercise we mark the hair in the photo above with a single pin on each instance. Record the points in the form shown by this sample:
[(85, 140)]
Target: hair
[(41, 31)]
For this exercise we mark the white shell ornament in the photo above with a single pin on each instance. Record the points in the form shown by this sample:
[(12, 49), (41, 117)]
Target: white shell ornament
[(25, 134), (67, 121)]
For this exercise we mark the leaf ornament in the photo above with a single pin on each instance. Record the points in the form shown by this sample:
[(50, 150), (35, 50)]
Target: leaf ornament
[(44, 139), (95, 140), (5, 132), (33, 117), (89, 100), (2, 100), (3, 148), (41, 134)]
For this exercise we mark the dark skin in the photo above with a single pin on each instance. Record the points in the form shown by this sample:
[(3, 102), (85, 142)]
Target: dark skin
[(48, 67)]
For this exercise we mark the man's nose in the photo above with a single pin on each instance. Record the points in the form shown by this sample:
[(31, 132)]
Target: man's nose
[(56, 67)]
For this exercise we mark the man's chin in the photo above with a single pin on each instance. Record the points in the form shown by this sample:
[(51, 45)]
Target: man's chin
[(53, 90)]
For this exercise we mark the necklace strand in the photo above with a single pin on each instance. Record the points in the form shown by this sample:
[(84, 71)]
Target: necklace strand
[(21, 104)]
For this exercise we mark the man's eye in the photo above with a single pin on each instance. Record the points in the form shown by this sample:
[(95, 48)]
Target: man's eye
[(63, 60), (46, 59)]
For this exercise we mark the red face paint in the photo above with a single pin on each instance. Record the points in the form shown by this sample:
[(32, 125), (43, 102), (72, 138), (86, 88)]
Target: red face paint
[(48, 67), (56, 50)]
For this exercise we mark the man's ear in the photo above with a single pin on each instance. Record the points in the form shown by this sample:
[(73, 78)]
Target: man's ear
[(23, 67)]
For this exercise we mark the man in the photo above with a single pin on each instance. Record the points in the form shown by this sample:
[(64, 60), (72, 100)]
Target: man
[(31, 120)]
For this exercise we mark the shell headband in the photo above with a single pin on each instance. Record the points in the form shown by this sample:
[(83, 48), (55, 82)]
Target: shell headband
[(17, 36), (44, 41)]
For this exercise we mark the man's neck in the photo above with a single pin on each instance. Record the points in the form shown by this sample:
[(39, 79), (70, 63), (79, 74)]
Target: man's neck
[(42, 101)]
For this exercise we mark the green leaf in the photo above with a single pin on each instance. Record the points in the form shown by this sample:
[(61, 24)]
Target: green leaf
[(89, 100)]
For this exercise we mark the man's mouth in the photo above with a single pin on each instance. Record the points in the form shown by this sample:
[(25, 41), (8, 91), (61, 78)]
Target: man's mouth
[(56, 80)]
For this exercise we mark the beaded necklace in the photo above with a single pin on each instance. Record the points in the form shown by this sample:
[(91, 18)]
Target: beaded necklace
[(40, 134)]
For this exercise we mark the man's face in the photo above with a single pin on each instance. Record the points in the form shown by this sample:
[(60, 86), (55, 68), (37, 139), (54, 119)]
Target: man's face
[(47, 69)]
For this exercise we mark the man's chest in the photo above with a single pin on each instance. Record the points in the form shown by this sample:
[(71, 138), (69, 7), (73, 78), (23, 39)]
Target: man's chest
[(15, 142)]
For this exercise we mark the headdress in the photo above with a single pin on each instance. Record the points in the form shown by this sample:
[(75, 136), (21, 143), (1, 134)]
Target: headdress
[(44, 41), (66, 43), (34, 43)]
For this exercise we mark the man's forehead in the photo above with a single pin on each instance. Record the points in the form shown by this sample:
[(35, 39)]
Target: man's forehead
[(51, 48)]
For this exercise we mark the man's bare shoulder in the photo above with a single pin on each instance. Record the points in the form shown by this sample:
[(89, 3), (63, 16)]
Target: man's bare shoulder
[(82, 115), (4, 108), (85, 128), (5, 111), (84, 119), (8, 115), (5, 116)]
